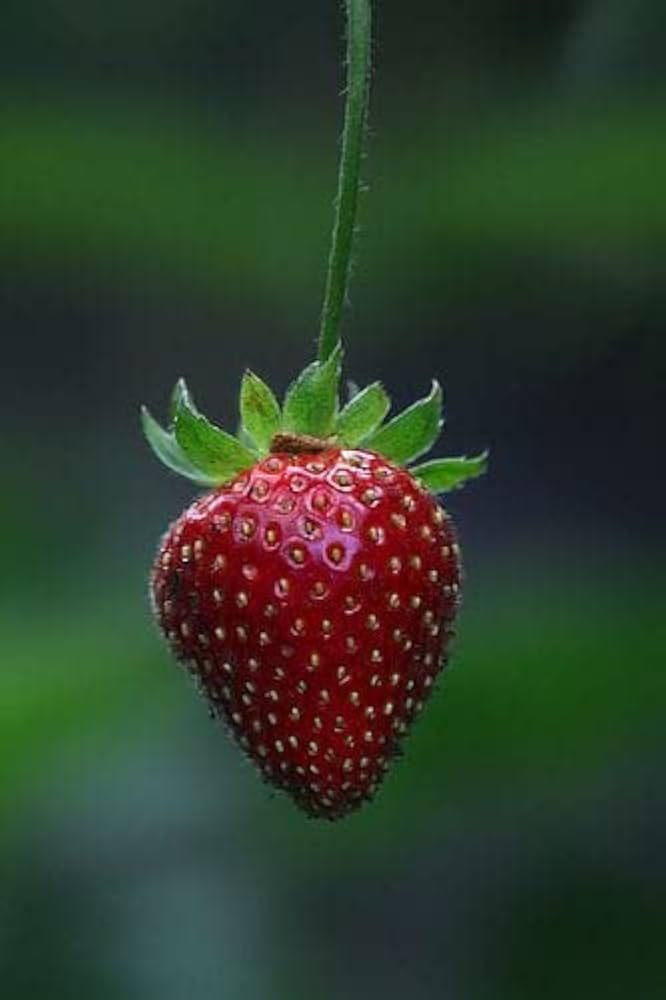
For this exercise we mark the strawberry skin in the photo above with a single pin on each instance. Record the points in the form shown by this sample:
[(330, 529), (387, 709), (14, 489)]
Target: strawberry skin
[(313, 600)]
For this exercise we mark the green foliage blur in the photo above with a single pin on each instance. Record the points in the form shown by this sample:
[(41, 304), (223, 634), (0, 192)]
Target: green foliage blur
[(165, 198)]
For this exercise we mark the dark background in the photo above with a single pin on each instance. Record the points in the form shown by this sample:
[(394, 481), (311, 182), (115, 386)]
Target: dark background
[(166, 177)]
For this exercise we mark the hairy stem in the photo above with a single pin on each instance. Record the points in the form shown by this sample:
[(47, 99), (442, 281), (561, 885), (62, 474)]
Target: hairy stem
[(359, 34)]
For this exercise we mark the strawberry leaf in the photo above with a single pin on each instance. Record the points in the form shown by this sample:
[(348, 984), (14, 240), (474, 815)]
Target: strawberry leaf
[(363, 414), (219, 455), (169, 452), (260, 411), (311, 402), (413, 432), (445, 474)]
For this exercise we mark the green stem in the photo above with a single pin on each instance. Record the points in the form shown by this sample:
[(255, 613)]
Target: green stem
[(359, 32)]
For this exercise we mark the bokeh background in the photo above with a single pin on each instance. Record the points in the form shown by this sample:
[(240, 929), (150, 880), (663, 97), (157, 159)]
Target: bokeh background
[(166, 177)]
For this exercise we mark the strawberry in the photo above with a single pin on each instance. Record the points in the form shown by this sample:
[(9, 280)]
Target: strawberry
[(313, 599), (312, 592)]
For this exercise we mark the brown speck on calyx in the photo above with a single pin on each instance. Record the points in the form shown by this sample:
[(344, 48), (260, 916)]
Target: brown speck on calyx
[(285, 442)]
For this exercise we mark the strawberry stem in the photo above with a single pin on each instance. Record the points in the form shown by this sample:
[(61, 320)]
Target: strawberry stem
[(359, 32)]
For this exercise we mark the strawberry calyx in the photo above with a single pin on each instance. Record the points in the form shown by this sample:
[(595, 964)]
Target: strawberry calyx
[(310, 419), (287, 443)]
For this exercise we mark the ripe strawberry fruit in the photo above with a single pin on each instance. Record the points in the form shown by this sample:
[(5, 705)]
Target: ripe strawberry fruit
[(312, 591), (313, 600)]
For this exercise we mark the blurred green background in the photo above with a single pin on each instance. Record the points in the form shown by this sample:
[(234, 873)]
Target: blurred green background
[(166, 178)]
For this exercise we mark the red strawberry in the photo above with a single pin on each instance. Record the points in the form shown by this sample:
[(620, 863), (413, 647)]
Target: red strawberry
[(313, 600), (312, 591)]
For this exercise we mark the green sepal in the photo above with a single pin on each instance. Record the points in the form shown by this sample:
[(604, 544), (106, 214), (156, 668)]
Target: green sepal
[(311, 403), (245, 439), (442, 475), (363, 414), (260, 411), (218, 455), (169, 452), (179, 390), (413, 432)]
